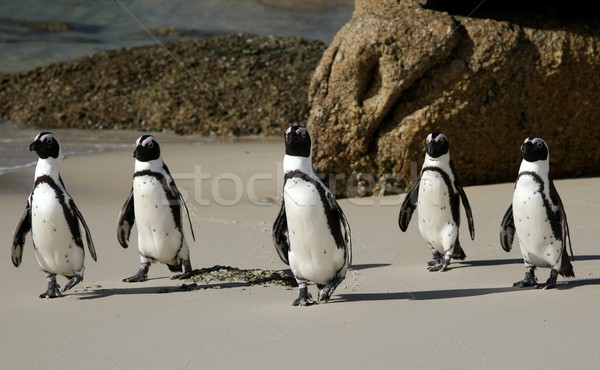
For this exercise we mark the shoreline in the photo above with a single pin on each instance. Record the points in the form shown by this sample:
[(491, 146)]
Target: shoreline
[(79, 141)]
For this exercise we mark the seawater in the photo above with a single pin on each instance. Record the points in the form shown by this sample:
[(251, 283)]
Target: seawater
[(99, 25), (93, 26), (15, 140)]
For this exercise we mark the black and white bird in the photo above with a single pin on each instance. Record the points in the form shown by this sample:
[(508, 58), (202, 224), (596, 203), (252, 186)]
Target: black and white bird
[(537, 216), (53, 219), (311, 232), (157, 207), (436, 195)]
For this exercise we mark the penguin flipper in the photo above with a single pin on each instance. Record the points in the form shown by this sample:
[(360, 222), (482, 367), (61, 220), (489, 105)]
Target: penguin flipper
[(126, 221), (187, 213), (177, 195), (566, 235), (88, 234), (409, 205), (280, 235), (469, 213), (507, 230), (345, 239), (23, 228)]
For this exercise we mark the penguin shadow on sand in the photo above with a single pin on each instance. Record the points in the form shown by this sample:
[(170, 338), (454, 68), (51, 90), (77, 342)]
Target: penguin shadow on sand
[(475, 292), (562, 285), (425, 295), (366, 266), (95, 293), (574, 283)]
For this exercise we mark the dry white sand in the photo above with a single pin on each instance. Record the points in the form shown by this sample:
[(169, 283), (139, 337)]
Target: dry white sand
[(388, 313)]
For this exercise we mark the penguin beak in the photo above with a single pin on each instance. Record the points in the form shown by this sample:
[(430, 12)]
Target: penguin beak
[(35, 146), (526, 147), (135, 152)]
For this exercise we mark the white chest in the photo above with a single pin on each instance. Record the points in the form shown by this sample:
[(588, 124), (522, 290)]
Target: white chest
[(532, 224), (313, 254), (433, 191), (436, 222), (45, 206), (55, 248), (158, 235)]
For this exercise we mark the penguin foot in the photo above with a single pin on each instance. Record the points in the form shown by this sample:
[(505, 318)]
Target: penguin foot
[(441, 266), (445, 264), (141, 275), (183, 276), (529, 281), (551, 282), (187, 271), (137, 278), (74, 281), (436, 267), (304, 297), (435, 261), (304, 301), (325, 292), (52, 292)]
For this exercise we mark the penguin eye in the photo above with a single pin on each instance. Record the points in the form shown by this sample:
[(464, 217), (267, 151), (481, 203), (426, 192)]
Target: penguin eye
[(303, 134), (150, 145), (47, 140), (538, 144)]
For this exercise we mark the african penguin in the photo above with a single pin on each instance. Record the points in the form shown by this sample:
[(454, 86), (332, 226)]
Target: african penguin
[(53, 219), (537, 216), (436, 196), (156, 205), (311, 233)]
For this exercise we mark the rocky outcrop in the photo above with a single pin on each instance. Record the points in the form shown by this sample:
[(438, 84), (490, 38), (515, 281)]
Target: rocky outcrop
[(222, 85), (398, 71)]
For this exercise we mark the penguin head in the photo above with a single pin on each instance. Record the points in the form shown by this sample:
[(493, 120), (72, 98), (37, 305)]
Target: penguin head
[(297, 142), (146, 149), (45, 145), (534, 149), (436, 144)]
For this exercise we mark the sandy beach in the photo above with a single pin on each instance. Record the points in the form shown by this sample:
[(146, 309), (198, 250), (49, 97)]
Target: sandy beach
[(390, 312)]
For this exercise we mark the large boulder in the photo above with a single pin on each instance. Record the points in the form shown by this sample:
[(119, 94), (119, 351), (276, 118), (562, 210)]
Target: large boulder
[(221, 85), (397, 71)]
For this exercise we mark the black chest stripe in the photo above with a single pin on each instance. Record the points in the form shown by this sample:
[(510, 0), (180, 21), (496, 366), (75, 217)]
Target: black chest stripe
[(553, 217), (452, 194), (444, 175), (170, 192), (70, 216), (333, 218)]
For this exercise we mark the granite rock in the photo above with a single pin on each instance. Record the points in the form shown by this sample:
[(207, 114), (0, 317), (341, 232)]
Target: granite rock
[(397, 71)]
